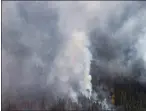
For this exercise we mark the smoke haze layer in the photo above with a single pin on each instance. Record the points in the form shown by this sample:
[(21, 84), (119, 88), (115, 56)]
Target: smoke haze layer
[(48, 46)]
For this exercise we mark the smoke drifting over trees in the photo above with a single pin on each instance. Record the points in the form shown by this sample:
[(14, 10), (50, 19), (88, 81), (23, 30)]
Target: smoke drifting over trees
[(65, 48)]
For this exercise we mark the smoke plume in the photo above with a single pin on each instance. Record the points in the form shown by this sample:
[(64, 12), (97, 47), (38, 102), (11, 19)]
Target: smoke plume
[(62, 47)]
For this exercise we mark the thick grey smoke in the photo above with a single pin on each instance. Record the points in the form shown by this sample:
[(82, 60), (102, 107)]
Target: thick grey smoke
[(30, 42), (118, 38), (47, 49), (48, 46)]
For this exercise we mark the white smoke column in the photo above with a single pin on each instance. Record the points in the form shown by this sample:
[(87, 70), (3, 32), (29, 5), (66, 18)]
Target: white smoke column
[(80, 47), (72, 66)]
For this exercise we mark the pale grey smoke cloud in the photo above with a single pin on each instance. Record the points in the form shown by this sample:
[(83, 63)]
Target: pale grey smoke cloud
[(43, 43), (30, 40), (34, 36)]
